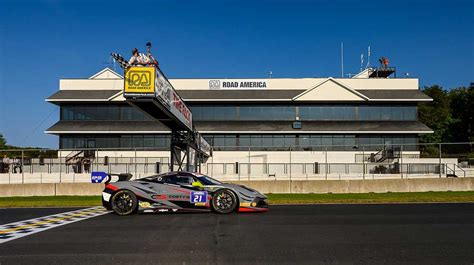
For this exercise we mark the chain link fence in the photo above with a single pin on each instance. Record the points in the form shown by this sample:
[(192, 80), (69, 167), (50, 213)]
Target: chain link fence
[(319, 162)]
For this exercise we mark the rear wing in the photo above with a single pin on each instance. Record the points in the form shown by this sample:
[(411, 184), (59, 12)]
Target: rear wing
[(98, 177)]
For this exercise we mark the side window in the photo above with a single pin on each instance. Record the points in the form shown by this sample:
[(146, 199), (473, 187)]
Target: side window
[(185, 180)]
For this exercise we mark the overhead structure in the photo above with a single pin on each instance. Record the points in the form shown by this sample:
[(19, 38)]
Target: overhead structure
[(148, 89)]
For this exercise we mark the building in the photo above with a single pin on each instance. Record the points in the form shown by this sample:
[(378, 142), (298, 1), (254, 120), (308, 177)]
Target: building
[(253, 120)]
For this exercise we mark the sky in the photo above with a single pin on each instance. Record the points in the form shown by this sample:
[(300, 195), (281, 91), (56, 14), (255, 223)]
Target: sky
[(44, 41)]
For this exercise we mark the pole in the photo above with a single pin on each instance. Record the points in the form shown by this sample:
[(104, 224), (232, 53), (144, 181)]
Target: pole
[(22, 171), (342, 59), (363, 162), (60, 166), (401, 162), (439, 150), (290, 169), (135, 163), (248, 167), (326, 162)]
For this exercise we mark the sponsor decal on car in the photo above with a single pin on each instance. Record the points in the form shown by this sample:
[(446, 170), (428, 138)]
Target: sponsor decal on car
[(159, 196), (145, 204), (199, 197)]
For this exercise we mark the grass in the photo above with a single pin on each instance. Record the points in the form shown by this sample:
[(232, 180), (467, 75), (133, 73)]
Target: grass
[(77, 201), (395, 197)]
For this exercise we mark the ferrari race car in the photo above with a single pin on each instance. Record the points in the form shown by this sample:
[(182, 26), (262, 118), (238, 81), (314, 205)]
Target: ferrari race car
[(177, 191)]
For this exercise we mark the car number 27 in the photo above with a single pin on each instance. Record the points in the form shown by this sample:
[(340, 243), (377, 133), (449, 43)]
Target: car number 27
[(198, 196)]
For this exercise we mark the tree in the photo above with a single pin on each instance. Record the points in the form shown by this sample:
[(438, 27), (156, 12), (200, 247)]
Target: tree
[(3, 142), (462, 109), (435, 114)]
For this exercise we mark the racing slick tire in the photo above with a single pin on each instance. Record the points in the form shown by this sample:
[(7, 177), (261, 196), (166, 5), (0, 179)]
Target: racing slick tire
[(124, 202), (224, 201)]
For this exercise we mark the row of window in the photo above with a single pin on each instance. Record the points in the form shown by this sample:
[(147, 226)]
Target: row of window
[(115, 141), (304, 112), (250, 112), (100, 112), (315, 142), (234, 142)]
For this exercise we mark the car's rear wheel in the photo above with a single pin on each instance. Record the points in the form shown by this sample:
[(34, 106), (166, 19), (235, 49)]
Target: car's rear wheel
[(224, 201), (124, 202)]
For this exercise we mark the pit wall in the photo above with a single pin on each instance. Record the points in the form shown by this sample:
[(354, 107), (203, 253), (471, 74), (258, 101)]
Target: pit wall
[(277, 186)]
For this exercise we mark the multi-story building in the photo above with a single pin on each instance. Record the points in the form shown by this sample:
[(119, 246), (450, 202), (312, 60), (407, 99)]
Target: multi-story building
[(252, 120)]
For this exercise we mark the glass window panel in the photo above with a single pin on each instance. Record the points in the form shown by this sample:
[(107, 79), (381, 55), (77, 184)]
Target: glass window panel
[(305, 113), (149, 141), (138, 141), (326, 141), (364, 141), (375, 142), (230, 142), (244, 140), (79, 142), (225, 113), (304, 141), (409, 113), (375, 113), (326, 113), (338, 142), (278, 141), (126, 141), (219, 141), (197, 112), (364, 113), (385, 113), (256, 140), (316, 142), (290, 140), (113, 113), (113, 142), (267, 141), (349, 142), (160, 141), (397, 113), (126, 113)]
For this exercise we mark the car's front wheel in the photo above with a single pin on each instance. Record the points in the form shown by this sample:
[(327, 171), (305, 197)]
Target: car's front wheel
[(224, 201), (124, 202)]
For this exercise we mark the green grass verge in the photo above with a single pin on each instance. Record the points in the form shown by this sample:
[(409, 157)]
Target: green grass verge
[(403, 197), (77, 201)]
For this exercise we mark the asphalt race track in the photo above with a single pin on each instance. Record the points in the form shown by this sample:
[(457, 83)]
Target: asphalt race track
[(312, 234)]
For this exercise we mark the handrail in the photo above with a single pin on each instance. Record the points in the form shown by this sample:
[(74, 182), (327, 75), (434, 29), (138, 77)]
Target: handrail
[(463, 171)]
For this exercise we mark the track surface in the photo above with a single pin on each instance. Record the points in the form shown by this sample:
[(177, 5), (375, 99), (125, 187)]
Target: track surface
[(316, 234)]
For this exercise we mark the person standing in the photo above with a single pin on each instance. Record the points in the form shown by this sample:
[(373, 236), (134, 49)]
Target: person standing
[(138, 58), (6, 164)]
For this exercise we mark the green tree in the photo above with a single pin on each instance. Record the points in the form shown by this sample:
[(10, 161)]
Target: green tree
[(436, 114), (3, 142), (462, 110)]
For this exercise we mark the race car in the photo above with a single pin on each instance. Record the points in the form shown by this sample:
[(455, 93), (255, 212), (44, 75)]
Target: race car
[(177, 191)]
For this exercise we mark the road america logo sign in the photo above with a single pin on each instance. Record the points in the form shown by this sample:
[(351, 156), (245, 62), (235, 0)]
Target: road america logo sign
[(214, 84)]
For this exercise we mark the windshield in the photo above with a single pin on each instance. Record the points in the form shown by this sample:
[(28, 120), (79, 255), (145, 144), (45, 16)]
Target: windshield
[(208, 180)]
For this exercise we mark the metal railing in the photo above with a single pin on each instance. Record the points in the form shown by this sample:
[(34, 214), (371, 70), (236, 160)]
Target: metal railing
[(290, 162)]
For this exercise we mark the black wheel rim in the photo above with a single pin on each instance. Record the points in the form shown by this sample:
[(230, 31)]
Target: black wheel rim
[(224, 201), (123, 203)]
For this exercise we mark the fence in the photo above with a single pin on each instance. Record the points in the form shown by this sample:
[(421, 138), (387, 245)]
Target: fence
[(370, 161)]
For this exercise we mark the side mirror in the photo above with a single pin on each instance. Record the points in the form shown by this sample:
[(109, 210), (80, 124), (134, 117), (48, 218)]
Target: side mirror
[(197, 184)]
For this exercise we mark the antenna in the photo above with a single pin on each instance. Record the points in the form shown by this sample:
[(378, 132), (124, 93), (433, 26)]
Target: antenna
[(342, 59), (368, 57), (271, 73), (361, 61)]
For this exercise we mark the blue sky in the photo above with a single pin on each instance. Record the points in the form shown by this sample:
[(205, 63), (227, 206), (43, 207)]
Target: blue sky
[(43, 41)]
